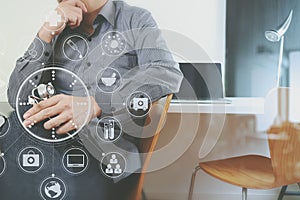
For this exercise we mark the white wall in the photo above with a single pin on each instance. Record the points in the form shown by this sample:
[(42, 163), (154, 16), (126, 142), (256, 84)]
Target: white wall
[(203, 21), (19, 22)]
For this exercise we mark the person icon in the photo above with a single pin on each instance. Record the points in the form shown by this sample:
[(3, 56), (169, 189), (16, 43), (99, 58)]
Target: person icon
[(109, 169), (113, 165), (118, 169), (113, 159)]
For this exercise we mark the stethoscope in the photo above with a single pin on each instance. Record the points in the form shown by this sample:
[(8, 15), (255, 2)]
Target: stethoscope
[(40, 93)]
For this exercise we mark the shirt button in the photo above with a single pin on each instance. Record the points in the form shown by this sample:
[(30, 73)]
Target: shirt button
[(113, 109), (88, 64), (36, 77), (88, 87), (89, 39), (47, 54)]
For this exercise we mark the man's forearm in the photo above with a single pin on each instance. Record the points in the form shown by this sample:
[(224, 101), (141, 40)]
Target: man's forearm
[(28, 64)]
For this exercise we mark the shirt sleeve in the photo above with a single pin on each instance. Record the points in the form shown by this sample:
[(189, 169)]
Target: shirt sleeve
[(157, 74), (38, 53)]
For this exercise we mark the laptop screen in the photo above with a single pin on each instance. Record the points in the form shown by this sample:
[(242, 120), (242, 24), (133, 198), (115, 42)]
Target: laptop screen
[(202, 81)]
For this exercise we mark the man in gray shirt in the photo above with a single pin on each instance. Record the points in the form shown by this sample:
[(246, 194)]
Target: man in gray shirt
[(94, 40)]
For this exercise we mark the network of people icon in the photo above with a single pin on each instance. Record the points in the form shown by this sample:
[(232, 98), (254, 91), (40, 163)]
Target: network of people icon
[(113, 165)]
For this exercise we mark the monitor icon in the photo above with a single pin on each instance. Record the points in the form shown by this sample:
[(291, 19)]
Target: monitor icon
[(75, 160)]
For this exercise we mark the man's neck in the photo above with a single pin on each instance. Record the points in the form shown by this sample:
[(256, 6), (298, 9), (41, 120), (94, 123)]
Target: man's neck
[(94, 8), (90, 17)]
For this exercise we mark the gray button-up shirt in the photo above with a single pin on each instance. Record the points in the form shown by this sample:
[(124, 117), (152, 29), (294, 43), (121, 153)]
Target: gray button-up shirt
[(142, 60)]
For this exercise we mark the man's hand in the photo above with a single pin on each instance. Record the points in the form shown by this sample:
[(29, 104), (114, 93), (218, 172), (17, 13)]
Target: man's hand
[(63, 111), (71, 13)]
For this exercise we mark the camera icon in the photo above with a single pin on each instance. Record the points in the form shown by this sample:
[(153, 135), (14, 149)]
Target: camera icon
[(31, 159), (140, 104)]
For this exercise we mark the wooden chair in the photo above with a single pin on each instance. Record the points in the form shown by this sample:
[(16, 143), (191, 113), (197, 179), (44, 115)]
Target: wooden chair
[(147, 145), (258, 172)]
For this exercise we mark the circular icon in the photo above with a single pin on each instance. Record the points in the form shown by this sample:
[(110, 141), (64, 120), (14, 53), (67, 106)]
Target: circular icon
[(53, 188), (31, 159), (109, 80), (113, 165), (54, 20), (75, 161), (35, 51), (75, 48), (109, 129), (4, 125), (113, 43), (33, 92), (2, 165), (138, 104)]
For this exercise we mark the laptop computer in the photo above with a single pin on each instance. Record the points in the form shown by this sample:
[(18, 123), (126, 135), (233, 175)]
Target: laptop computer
[(202, 84)]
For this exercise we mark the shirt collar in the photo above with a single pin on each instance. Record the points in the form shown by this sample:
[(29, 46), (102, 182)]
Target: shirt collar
[(108, 12)]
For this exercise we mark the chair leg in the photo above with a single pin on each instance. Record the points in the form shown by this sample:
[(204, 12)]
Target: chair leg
[(144, 195), (244, 193), (192, 184), (282, 192)]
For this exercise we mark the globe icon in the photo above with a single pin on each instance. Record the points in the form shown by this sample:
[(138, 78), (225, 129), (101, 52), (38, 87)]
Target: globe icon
[(53, 189)]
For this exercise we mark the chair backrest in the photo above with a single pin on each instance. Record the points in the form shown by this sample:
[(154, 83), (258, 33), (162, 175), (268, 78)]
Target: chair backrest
[(157, 116), (284, 145)]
